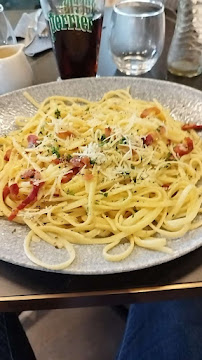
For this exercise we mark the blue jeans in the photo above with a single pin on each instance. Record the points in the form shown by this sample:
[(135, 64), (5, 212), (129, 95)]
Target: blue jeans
[(167, 330)]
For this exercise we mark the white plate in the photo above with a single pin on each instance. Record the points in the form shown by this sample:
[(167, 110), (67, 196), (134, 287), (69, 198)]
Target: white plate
[(185, 104)]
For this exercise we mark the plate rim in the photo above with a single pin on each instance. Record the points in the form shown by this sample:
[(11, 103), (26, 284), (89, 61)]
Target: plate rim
[(100, 79)]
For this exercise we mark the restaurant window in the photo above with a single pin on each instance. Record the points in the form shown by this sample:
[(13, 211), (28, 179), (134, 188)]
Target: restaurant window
[(20, 4)]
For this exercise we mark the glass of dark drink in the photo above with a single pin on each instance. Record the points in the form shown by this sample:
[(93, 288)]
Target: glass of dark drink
[(75, 27)]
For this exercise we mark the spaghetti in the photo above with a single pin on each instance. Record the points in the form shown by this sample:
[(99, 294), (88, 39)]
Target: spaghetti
[(119, 170)]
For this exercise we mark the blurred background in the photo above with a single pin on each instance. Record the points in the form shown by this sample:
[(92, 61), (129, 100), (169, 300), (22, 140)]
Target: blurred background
[(35, 4), (20, 4)]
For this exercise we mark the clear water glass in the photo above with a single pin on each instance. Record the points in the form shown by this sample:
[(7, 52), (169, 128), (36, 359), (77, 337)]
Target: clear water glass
[(137, 35), (7, 36)]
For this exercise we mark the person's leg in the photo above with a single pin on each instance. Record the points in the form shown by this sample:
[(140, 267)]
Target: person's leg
[(167, 330), (14, 344)]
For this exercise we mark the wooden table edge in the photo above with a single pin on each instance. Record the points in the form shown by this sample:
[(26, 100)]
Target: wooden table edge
[(99, 298)]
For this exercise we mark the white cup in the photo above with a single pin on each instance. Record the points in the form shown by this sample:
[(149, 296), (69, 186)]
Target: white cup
[(15, 70)]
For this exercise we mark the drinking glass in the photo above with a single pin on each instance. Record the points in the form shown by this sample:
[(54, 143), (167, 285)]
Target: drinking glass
[(76, 32), (7, 36), (137, 35)]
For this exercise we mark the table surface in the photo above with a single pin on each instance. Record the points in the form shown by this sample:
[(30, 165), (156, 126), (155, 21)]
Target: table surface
[(23, 289)]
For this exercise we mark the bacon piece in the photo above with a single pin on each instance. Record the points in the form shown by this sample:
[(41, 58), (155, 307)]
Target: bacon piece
[(30, 198), (56, 161), (62, 159), (37, 175), (65, 134), (71, 173), (191, 127), (108, 132), (7, 155), (184, 149), (30, 174), (166, 186), (148, 140), (76, 161), (14, 189), (152, 110), (79, 162), (13, 214), (190, 144), (86, 161), (32, 139), (6, 191)]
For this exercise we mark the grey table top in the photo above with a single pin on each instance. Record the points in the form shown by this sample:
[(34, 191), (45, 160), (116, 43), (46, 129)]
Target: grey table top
[(22, 289)]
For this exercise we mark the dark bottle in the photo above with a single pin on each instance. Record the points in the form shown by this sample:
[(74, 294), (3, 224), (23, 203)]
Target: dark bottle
[(77, 51), (76, 27)]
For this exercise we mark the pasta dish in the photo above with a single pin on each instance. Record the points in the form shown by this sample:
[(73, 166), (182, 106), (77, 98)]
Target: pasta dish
[(120, 172)]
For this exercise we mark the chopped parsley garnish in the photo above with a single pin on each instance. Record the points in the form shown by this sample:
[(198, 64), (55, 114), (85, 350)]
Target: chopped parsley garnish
[(70, 192), (68, 157), (125, 173), (41, 130), (92, 162), (123, 140), (55, 150), (57, 113), (105, 194), (104, 139), (168, 156)]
